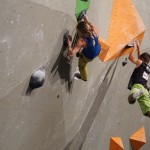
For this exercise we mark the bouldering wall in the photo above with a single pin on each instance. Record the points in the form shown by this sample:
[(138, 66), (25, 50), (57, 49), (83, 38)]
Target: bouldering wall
[(64, 114)]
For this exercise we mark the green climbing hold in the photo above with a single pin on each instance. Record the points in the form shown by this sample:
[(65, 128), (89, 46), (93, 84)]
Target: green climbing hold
[(81, 5)]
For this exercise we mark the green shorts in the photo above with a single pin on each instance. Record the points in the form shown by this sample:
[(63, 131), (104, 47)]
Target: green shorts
[(143, 100)]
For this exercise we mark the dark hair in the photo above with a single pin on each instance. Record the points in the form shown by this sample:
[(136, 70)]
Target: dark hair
[(145, 57), (85, 28)]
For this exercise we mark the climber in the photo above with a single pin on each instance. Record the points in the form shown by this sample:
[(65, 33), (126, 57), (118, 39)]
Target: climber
[(87, 43), (139, 79)]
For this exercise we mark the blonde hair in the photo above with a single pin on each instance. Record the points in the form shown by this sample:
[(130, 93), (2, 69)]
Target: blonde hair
[(85, 28)]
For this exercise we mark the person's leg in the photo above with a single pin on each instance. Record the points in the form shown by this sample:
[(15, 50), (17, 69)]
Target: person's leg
[(136, 92), (83, 67), (141, 94), (144, 102)]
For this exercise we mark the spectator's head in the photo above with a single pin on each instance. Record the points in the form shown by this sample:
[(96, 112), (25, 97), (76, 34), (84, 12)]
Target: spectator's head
[(145, 57), (84, 28)]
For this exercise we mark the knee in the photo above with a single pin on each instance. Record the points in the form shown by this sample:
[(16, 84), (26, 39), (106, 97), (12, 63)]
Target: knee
[(148, 114), (131, 99)]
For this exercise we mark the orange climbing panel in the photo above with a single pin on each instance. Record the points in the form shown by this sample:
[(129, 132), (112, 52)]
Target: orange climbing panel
[(104, 46), (125, 26), (138, 139), (116, 144)]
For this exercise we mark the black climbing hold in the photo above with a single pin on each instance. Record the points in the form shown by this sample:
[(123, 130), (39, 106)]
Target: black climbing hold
[(37, 80), (65, 39), (125, 62), (129, 45)]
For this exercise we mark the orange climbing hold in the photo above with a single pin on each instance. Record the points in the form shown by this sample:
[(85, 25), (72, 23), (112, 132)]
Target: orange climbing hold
[(138, 139), (116, 144), (104, 46), (125, 26)]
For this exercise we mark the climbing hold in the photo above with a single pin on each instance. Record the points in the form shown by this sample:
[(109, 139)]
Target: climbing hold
[(125, 62), (116, 144), (124, 28), (37, 80), (81, 15), (65, 39), (138, 139), (81, 6), (104, 47)]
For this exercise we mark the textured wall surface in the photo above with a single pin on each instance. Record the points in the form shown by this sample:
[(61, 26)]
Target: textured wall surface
[(64, 114)]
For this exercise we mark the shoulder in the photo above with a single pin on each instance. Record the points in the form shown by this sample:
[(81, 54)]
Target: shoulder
[(81, 42), (138, 63), (135, 61)]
